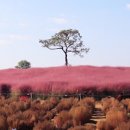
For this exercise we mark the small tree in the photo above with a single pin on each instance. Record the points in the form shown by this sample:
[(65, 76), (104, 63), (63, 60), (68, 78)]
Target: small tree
[(69, 41), (23, 64)]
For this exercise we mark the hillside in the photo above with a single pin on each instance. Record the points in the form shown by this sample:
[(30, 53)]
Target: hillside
[(67, 79)]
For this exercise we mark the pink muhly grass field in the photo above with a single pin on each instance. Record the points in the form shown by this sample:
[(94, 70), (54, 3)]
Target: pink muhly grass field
[(67, 79)]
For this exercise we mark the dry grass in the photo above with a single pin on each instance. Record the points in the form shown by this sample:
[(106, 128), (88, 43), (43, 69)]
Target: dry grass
[(63, 114)]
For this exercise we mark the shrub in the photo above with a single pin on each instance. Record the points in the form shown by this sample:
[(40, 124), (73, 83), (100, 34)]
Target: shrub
[(49, 115), (115, 117), (21, 121), (123, 126), (88, 102), (3, 123), (126, 103), (80, 114), (90, 127), (77, 128), (30, 116), (54, 111), (40, 115), (87, 127), (102, 125), (14, 120), (110, 103), (20, 106), (47, 106), (65, 104), (62, 120), (54, 101), (45, 125)]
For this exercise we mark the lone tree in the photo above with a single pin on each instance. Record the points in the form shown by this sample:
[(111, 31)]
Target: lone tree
[(69, 41), (23, 64)]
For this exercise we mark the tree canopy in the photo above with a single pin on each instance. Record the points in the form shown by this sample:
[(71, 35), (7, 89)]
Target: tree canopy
[(69, 41), (23, 64)]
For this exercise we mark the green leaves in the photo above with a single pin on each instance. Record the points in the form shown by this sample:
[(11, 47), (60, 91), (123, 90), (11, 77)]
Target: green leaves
[(66, 40), (23, 64)]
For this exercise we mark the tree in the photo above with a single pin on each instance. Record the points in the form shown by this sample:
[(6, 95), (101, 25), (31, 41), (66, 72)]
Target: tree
[(23, 64), (69, 41)]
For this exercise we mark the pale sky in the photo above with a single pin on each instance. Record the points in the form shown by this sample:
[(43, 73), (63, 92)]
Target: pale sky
[(104, 25)]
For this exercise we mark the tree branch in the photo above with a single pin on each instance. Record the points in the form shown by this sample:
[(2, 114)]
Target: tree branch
[(53, 48)]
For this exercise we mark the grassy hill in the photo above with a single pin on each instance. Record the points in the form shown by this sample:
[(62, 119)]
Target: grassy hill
[(67, 79)]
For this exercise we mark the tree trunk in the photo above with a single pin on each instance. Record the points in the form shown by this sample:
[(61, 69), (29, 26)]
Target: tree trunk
[(66, 59)]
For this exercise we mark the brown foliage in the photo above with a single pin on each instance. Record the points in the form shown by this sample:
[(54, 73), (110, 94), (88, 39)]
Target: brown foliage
[(126, 102), (90, 127), (80, 114), (65, 104), (110, 103), (49, 115), (67, 113), (86, 127), (47, 106), (123, 126), (3, 123), (30, 117), (45, 125), (63, 120), (77, 128), (88, 101), (102, 125), (54, 101), (115, 117)]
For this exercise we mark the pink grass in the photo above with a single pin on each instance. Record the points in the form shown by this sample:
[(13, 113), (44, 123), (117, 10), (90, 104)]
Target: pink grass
[(67, 79)]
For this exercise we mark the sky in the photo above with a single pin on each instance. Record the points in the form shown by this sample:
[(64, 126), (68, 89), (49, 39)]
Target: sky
[(103, 24)]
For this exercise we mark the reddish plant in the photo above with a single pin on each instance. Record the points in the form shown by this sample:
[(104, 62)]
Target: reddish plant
[(45, 125), (88, 102), (110, 103), (49, 115), (123, 126), (102, 125), (62, 120), (115, 117), (65, 104), (80, 114), (87, 127), (54, 101), (77, 128), (126, 103), (90, 127), (3, 123), (67, 79)]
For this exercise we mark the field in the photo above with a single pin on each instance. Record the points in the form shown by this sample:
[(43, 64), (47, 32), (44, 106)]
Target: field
[(70, 112), (65, 114), (64, 80)]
